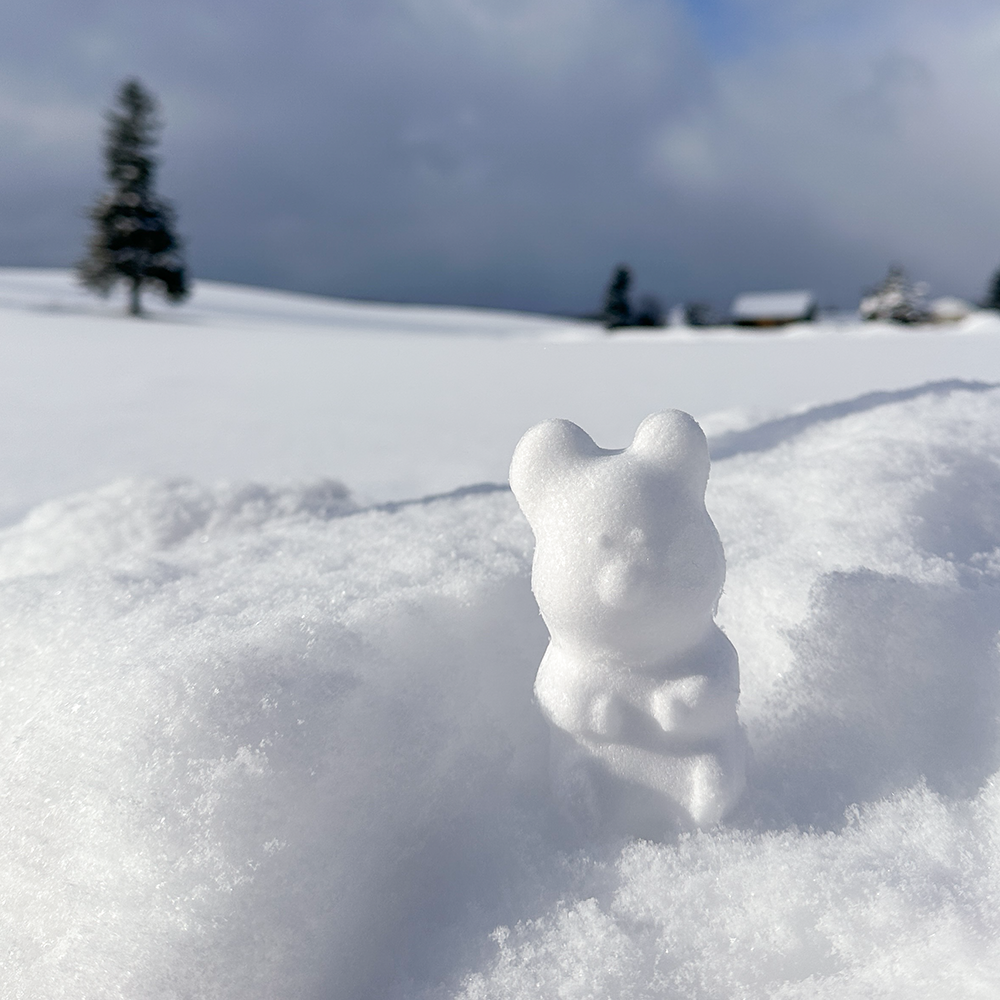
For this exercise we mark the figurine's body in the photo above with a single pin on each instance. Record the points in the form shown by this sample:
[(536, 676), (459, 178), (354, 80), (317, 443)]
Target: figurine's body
[(638, 682)]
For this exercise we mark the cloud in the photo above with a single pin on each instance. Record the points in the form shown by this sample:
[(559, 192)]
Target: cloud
[(509, 152), (877, 139)]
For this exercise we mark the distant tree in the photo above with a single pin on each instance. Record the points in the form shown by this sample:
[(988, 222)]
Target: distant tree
[(133, 238), (992, 300), (617, 311), (895, 299), (650, 312), (698, 314)]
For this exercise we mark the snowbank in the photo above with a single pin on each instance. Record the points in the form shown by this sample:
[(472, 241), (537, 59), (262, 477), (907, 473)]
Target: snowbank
[(263, 742), (244, 759), (863, 597)]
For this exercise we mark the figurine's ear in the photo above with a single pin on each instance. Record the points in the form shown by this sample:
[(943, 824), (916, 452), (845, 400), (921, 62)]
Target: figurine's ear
[(546, 452), (674, 441)]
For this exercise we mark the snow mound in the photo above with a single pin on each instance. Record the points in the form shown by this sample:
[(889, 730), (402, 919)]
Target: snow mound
[(244, 742), (274, 747), (864, 597), (902, 903), (130, 518)]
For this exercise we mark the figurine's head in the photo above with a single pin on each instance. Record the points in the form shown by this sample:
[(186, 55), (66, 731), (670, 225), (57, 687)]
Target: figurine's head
[(627, 560)]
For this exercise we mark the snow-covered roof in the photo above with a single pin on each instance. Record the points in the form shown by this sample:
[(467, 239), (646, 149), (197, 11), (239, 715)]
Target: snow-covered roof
[(949, 309), (773, 305)]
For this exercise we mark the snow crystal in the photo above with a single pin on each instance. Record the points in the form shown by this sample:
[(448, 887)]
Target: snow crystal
[(638, 682)]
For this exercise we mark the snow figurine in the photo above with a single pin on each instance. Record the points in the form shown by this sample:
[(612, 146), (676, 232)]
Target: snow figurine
[(638, 682)]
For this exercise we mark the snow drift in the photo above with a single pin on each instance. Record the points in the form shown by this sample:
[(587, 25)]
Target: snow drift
[(262, 742)]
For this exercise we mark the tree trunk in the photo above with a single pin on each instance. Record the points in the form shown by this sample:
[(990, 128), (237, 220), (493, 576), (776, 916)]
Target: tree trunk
[(134, 305)]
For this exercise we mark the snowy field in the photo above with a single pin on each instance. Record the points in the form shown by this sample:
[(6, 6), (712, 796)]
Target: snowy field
[(268, 646)]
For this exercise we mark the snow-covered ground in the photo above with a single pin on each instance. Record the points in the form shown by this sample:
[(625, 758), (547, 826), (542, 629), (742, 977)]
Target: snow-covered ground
[(398, 402), (268, 645)]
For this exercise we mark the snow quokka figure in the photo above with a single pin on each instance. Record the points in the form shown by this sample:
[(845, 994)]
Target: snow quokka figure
[(639, 684)]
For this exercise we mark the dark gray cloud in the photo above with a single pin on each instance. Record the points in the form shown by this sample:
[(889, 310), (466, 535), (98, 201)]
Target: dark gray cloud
[(509, 152)]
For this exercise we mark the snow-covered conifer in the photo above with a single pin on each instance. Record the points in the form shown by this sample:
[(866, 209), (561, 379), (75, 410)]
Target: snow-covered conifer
[(895, 299), (133, 238), (617, 311), (992, 300)]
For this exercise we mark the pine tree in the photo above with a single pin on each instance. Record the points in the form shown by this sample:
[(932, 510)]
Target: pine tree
[(617, 311), (993, 292), (650, 312), (895, 299), (133, 238)]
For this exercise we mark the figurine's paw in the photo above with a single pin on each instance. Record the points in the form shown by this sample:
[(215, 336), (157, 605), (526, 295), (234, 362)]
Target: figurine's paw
[(675, 704)]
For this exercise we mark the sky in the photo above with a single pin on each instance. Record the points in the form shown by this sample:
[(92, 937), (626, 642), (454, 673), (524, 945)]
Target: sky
[(510, 153)]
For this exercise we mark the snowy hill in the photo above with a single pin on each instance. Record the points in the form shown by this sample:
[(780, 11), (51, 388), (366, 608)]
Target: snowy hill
[(264, 734), (395, 401)]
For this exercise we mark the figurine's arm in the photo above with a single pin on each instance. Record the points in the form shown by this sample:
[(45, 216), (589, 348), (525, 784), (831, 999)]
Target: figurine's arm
[(703, 701), (576, 702)]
